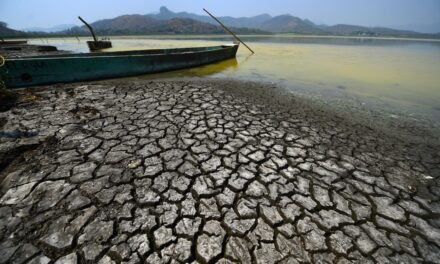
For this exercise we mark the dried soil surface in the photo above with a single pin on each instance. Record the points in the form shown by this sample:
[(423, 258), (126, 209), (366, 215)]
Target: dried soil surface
[(209, 172)]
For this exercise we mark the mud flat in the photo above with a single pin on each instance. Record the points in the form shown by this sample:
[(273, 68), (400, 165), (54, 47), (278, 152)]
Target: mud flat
[(210, 172), (26, 50)]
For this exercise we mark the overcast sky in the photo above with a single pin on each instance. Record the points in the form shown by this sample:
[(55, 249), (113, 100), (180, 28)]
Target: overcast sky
[(391, 13)]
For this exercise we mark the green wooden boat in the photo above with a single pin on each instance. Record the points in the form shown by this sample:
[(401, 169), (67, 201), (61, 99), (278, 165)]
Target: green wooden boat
[(40, 70)]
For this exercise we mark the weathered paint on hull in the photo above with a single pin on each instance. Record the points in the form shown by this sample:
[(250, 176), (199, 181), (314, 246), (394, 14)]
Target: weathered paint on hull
[(83, 67)]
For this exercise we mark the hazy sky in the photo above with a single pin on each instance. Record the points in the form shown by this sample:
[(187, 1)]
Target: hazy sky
[(46, 13)]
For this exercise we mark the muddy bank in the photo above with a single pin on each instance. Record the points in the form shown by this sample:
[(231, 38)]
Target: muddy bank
[(209, 171), (26, 50)]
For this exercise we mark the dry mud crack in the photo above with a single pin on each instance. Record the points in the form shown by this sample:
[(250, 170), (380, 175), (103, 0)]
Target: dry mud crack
[(195, 172)]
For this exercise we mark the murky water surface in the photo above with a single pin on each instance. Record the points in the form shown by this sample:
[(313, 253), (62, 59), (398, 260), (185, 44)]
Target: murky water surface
[(402, 75)]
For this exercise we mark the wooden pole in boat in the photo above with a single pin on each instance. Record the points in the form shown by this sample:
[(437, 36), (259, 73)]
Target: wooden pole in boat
[(90, 28), (227, 29)]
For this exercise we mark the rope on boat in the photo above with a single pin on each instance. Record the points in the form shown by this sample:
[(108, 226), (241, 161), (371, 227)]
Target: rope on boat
[(2, 61)]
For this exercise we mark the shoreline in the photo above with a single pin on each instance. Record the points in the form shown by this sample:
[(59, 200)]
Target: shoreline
[(421, 135), (209, 171), (205, 36), (408, 126), (411, 129)]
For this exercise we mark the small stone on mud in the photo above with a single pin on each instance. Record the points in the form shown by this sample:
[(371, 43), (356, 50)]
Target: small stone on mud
[(134, 164)]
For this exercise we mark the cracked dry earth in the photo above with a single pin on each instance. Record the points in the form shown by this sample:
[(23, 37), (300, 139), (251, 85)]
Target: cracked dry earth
[(193, 172)]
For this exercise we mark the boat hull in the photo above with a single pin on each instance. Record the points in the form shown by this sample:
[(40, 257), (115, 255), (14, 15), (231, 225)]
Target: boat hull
[(99, 45), (38, 70), (13, 42)]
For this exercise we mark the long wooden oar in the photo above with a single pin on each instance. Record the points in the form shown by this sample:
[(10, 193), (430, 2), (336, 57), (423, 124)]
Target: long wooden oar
[(227, 29), (90, 28)]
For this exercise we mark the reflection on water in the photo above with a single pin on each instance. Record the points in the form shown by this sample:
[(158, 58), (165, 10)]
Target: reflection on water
[(202, 71), (401, 74), (324, 40)]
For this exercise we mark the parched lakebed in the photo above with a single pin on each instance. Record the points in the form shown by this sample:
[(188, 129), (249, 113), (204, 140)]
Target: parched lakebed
[(209, 171)]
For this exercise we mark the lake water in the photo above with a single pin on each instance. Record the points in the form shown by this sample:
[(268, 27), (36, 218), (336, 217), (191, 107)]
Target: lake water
[(397, 74)]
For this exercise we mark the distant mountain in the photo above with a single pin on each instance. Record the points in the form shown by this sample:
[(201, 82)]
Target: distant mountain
[(169, 22), (7, 32), (291, 24), (249, 22), (50, 29), (278, 24), (145, 24), (288, 23), (166, 14)]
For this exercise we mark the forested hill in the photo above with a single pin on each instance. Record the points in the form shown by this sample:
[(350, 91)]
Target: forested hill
[(7, 32), (168, 22), (141, 24), (291, 24)]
